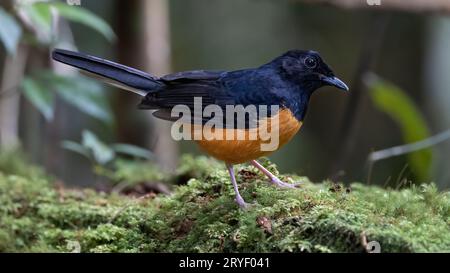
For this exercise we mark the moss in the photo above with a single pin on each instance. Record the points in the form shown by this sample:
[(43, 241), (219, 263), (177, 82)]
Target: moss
[(201, 216), (13, 161)]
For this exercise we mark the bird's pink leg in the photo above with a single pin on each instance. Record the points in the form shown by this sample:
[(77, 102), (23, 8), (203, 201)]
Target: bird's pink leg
[(275, 180), (239, 200)]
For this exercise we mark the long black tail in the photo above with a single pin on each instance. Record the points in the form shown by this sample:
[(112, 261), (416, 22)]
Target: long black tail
[(112, 73)]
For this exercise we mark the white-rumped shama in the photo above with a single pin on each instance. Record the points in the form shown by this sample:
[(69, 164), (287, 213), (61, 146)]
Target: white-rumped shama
[(287, 82)]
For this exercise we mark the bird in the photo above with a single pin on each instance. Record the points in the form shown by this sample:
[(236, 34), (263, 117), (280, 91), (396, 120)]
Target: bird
[(286, 82)]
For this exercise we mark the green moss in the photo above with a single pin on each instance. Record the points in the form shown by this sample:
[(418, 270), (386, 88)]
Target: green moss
[(13, 161), (202, 216)]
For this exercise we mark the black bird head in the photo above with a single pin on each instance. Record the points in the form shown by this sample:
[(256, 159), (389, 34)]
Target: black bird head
[(307, 69)]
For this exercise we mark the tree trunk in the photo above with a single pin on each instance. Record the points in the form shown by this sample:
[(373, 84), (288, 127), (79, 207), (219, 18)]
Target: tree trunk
[(156, 39), (14, 67), (437, 87)]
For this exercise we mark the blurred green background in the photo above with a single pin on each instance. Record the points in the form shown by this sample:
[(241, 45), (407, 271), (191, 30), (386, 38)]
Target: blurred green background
[(46, 107)]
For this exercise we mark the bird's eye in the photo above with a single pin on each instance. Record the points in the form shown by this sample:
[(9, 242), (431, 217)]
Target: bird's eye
[(310, 62)]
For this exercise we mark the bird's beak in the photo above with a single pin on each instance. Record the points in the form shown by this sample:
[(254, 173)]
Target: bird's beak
[(334, 81)]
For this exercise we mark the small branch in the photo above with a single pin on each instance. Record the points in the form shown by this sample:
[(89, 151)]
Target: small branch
[(409, 148), (417, 6)]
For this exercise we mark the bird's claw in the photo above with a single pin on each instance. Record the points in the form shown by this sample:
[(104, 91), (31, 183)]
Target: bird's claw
[(281, 184), (242, 204)]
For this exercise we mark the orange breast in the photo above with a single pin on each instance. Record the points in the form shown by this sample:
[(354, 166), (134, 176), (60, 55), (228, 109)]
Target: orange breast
[(241, 151)]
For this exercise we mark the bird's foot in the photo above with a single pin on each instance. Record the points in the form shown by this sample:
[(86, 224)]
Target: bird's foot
[(242, 204), (273, 179), (276, 181)]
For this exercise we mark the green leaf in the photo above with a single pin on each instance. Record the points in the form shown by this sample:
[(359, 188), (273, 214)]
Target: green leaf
[(40, 96), (101, 152), (40, 15), (76, 148), (10, 31), (80, 15), (393, 101), (132, 150), (84, 93)]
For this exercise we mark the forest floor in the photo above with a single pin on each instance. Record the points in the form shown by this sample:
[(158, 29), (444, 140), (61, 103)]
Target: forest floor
[(38, 215)]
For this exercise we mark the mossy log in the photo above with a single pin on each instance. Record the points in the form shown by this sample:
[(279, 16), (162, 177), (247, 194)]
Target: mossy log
[(201, 216)]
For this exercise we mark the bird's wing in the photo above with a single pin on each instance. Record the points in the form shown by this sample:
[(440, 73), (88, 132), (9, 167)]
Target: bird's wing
[(191, 94), (213, 88), (192, 76)]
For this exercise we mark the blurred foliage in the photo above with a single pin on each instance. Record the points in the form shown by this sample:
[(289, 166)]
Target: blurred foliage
[(38, 15), (131, 172), (100, 153), (396, 103), (83, 16), (119, 163), (40, 96), (92, 148), (85, 94), (203, 217), (10, 31)]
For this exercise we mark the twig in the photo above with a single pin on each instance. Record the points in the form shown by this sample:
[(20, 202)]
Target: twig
[(409, 148), (400, 175), (386, 183)]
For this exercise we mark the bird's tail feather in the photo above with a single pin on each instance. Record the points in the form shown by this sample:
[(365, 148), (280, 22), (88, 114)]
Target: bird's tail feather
[(112, 73)]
